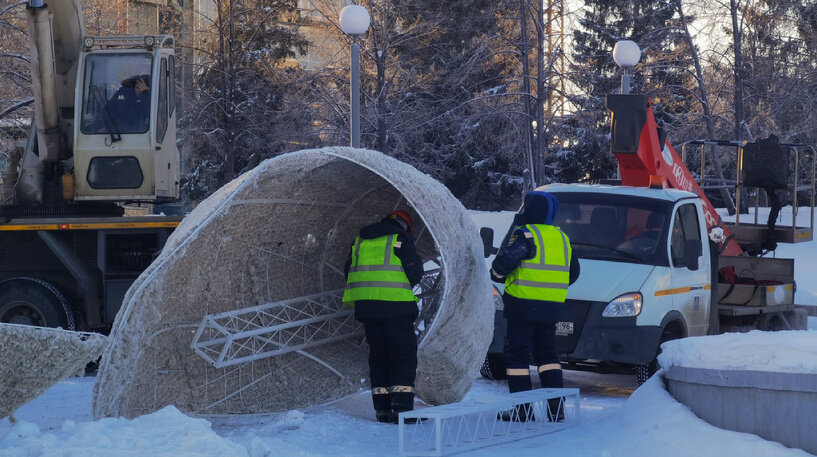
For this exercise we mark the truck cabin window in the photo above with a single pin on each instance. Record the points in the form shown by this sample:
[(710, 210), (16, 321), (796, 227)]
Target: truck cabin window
[(116, 94), (115, 173), (684, 228), (622, 228)]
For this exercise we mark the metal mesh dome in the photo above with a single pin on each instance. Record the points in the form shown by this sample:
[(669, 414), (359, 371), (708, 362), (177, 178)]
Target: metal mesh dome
[(239, 314)]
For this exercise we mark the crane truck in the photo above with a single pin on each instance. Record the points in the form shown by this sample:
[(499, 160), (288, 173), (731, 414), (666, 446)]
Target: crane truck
[(657, 261), (103, 138)]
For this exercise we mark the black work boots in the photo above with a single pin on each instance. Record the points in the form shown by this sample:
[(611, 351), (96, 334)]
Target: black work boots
[(556, 410), (386, 416), (524, 412), (519, 413), (393, 417)]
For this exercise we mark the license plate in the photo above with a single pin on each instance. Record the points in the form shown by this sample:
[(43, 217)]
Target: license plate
[(564, 328)]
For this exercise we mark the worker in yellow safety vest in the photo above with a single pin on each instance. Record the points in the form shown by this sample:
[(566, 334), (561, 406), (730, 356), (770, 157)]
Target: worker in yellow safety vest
[(381, 271), (537, 265)]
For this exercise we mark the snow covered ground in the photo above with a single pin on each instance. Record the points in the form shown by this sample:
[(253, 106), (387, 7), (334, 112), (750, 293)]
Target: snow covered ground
[(647, 423)]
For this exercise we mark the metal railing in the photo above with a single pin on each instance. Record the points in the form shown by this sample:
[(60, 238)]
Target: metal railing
[(803, 160)]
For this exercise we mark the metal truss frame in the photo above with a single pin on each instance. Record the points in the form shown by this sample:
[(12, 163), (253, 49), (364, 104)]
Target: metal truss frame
[(249, 334)]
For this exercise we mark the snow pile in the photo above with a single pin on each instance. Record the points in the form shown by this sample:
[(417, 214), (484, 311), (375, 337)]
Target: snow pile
[(166, 433), (782, 352), (282, 231), (652, 423), (35, 358)]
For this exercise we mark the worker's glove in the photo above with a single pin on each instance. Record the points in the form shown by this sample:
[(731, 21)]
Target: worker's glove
[(716, 234)]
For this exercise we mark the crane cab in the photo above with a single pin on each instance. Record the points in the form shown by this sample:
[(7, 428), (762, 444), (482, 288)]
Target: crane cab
[(124, 142)]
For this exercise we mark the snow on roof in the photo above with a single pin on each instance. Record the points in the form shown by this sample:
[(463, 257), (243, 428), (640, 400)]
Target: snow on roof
[(663, 194)]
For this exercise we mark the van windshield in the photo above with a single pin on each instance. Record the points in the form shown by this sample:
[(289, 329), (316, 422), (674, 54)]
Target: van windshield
[(615, 227)]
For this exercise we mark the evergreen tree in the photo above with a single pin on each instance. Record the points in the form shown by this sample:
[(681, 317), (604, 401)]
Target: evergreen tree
[(650, 24), (473, 145)]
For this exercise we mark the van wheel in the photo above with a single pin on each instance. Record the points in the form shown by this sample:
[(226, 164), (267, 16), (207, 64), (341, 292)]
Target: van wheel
[(493, 367), (32, 301), (642, 373), (645, 372)]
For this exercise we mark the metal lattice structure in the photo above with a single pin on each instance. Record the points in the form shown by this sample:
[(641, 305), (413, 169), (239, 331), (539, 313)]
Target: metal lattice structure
[(430, 293), (272, 329), (459, 427), (256, 271)]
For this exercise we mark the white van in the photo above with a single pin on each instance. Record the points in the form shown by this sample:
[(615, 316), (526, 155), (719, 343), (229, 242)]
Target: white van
[(645, 276), (649, 274)]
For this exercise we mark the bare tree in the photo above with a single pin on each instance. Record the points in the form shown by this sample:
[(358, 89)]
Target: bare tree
[(439, 82), (15, 92), (737, 46), (246, 105), (703, 96)]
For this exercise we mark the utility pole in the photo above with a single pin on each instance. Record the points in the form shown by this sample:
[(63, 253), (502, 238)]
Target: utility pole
[(548, 100), (523, 17), (187, 42), (540, 90), (556, 45)]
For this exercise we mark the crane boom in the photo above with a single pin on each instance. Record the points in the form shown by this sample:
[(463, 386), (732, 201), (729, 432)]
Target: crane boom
[(55, 34), (642, 151)]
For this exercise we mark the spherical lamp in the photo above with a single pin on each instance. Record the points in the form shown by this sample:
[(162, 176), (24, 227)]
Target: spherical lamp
[(626, 53), (354, 20)]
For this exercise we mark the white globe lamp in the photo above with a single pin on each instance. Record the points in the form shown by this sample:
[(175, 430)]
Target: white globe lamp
[(626, 55), (354, 20)]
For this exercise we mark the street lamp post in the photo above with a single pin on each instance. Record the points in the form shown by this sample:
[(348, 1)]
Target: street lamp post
[(354, 21), (626, 54)]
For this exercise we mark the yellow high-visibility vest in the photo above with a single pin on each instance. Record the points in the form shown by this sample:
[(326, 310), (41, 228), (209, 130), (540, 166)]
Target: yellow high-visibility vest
[(547, 275), (376, 273)]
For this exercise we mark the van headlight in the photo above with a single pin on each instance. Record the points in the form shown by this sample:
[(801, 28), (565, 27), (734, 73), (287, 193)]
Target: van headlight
[(626, 305)]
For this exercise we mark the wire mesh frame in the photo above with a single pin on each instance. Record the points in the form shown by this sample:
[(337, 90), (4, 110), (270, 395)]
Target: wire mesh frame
[(429, 291), (459, 427), (258, 332)]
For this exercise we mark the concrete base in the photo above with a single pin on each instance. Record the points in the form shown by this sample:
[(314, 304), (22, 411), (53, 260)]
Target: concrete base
[(775, 406)]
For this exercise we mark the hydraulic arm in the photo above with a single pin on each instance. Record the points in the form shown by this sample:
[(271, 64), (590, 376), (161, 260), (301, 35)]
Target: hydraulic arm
[(55, 31), (643, 152)]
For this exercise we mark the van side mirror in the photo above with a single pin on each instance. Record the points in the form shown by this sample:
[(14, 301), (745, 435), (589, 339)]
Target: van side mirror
[(487, 235), (693, 249)]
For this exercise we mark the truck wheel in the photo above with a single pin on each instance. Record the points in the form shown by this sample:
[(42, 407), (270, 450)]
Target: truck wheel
[(645, 372), (494, 367), (32, 301)]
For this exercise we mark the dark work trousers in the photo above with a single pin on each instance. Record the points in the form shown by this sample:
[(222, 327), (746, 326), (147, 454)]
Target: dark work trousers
[(538, 338), (392, 362)]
